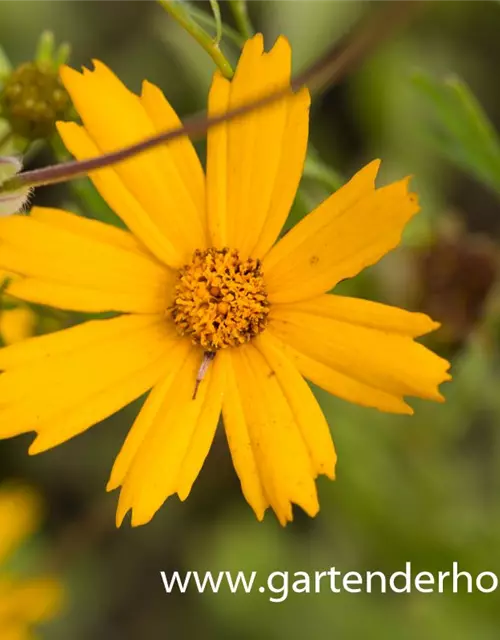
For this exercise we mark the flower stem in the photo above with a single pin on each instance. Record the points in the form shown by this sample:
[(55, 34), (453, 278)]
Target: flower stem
[(204, 18), (218, 21), (240, 12), (182, 15)]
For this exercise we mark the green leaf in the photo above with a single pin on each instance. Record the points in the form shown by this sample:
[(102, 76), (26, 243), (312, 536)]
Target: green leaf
[(47, 54), (460, 129), (62, 54), (45, 48), (5, 66), (315, 169)]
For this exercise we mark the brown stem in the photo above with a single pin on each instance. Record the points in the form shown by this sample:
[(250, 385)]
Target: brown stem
[(330, 68)]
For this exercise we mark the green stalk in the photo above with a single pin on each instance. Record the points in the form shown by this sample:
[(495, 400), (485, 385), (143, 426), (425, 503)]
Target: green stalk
[(218, 21), (179, 12), (241, 17), (228, 32)]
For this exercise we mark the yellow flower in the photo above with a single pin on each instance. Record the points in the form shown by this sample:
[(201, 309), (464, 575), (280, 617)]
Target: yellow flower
[(24, 603), (203, 288)]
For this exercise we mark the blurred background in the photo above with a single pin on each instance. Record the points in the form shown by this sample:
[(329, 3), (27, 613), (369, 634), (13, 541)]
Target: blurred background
[(424, 489)]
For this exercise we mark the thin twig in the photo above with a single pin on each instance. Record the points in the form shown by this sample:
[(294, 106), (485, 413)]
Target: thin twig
[(330, 68)]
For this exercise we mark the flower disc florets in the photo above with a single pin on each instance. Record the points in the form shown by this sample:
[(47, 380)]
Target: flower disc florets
[(220, 300), (33, 99)]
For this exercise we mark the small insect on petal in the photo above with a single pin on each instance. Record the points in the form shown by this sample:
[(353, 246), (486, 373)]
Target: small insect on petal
[(208, 356), (11, 201)]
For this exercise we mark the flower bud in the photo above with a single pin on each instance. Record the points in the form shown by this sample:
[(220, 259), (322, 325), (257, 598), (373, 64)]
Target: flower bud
[(32, 99)]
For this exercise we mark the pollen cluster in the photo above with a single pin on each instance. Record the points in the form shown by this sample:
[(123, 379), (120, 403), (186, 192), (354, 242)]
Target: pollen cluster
[(220, 300), (33, 99)]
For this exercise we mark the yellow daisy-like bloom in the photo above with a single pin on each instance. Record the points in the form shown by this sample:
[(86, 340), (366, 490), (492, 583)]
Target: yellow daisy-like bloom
[(204, 288), (24, 603)]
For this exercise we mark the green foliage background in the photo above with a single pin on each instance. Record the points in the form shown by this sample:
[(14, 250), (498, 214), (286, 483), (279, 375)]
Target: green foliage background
[(424, 489)]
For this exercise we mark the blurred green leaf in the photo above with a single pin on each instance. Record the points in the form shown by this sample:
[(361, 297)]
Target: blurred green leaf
[(62, 54), (5, 66), (460, 129), (316, 169), (45, 48), (207, 20)]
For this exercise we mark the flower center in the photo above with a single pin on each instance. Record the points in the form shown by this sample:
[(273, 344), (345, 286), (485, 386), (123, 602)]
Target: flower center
[(220, 300)]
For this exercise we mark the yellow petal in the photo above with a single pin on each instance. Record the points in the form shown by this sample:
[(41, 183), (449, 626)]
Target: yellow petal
[(69, 341), (306, 410), (15, 630), (19, 516), (175, 438), (289, 173), (344, 386), (241, 136), (16, 324), (204, 432), (123, 278), (118, 197), (64, 296), (179, 155), (366, 313), (254, 163), (240, 443), (351, 230), (30, 601), (72, 384), (93, 229), (361, 185), (217, 164), (378, 358), (147, 416), (285, 468), (99, 404), (115, 117)]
